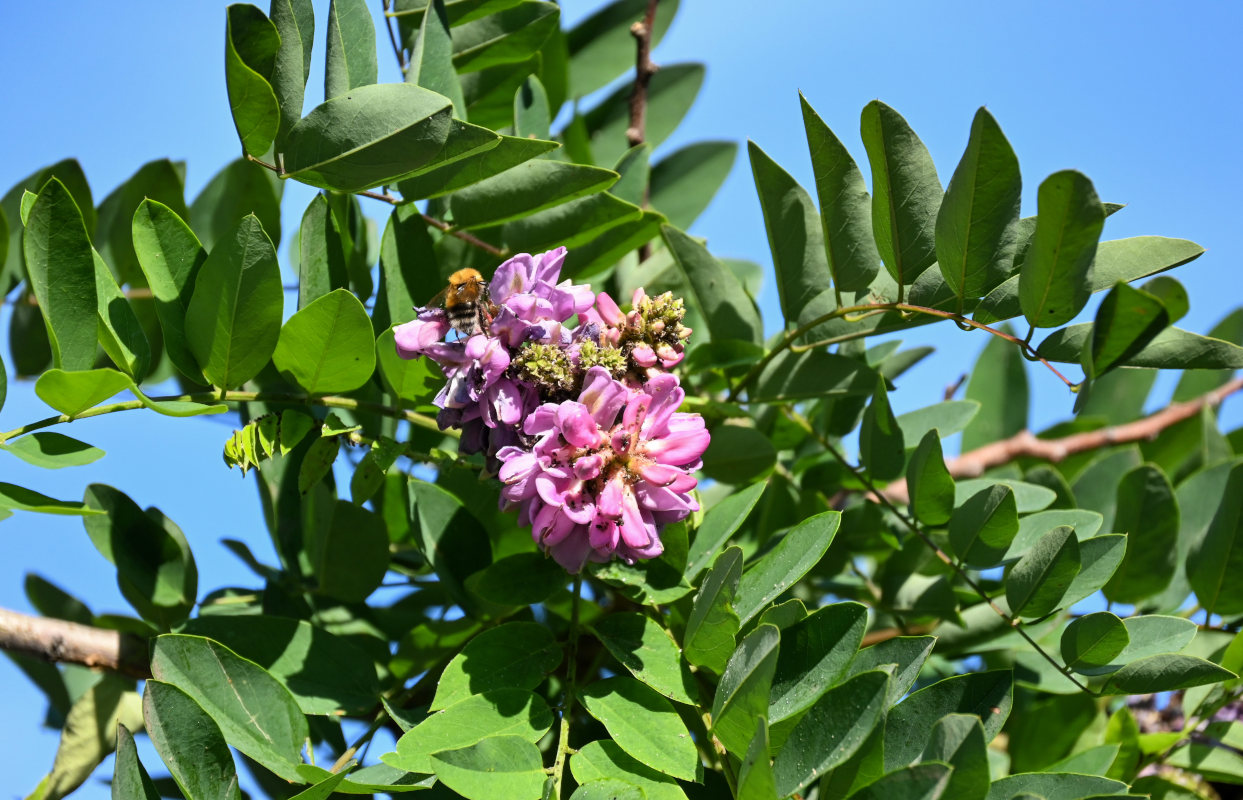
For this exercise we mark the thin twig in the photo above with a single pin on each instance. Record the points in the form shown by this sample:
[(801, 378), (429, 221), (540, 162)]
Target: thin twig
[(55, 640), (859, 312), (440, 225), (1025, 444), (916, 529), (277, 398), (643, 71), (389, 22), (445, 227), (636, 134)]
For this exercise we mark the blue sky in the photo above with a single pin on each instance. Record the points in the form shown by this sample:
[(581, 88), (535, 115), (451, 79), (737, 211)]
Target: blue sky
[(1141, 96)]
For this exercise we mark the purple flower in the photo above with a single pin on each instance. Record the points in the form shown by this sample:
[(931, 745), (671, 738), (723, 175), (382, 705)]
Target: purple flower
[(593, 485), (579, 423)]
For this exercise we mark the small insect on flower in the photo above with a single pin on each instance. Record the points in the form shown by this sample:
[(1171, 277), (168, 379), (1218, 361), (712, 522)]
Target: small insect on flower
[(465, 301)]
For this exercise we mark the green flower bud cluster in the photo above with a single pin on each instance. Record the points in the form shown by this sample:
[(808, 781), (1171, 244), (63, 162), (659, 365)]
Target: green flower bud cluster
[(544, 365), (594, 355)]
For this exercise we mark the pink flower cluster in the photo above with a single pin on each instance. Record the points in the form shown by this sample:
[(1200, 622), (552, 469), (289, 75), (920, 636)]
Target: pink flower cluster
[(579, 422)]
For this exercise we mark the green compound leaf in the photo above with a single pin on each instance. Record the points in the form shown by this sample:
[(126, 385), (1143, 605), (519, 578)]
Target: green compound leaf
[(795, 236), (497, 712), (431, 58), (350, 554), (499, 766), (295, 22), (815, 653), (351, 60), (471, 154), (684, 182), (604, 760), (1093, 640), (120, 334), (713, 623), (644, 724), (727, 308), (52, 450), (987, 695), (1116, 260), (1041, 578), (327, 347), (919, 782), (71, 393), (648, 651), (170, 256), (22, 499), (742, 695), (1148, 514), (61, 266), (155, 568), (831, 731), (1216, 559), (907, 193), (738, 455), (516, 655), (234, 315), (982, 529), (975, 226), (372, 135), (783, 566), (958, 740), (1172, 348), (507, 36), (251, 45), (931, 487), (523, 190), (256, 714), (1054, 786), (882, 446), (326, 674), (845, 207), (1127, 320), (719, 523), (190, 743), (1056, 276), (129, 777)]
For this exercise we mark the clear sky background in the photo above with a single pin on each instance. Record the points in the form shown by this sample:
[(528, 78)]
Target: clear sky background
[(1143, 97)]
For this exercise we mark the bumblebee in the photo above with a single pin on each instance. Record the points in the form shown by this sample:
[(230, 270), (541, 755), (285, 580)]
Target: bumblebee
[(465, 301)]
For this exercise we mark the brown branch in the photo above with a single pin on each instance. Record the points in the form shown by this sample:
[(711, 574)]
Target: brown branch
[(55, 640), (445, 227), (389, 24), (1025, 444), (643, 71)]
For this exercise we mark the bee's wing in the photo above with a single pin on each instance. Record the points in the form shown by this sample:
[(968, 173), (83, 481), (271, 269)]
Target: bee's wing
[(438, 299)]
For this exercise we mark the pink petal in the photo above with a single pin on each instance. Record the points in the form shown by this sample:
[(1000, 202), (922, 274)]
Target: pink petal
[(517, 464), (603, 535), (577, 425), (602, 396), (667, 395), (643, 355), (572, 553), (609, 503), (658, 474), (588, 467), (635, 531), (608, 310), (679, 448)]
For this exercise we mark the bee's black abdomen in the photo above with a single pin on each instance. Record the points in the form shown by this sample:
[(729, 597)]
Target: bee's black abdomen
[(464, 317)]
